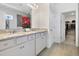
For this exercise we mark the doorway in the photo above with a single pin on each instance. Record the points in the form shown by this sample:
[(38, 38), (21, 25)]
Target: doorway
[(69, 22)]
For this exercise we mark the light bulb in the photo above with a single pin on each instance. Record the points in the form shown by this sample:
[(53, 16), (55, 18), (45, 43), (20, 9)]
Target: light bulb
[(34, 6)]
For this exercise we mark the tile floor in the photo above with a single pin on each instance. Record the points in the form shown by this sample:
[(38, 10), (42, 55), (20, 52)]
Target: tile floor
[(67, 48)]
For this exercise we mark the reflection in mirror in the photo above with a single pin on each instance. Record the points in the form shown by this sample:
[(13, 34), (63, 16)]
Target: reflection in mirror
[(17, 18), (23, 21), (8, 18)]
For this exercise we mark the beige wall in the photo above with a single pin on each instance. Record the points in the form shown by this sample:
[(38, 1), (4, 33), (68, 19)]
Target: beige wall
[(40, 16)]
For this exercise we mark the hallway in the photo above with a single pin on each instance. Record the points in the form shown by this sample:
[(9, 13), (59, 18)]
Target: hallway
[(70, 38), (67, 48)]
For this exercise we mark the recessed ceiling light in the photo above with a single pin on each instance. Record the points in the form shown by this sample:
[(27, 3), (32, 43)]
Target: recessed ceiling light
[(72, 13)]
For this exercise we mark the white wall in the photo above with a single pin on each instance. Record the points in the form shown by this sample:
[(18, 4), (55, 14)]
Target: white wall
[(77, 25), (65, 7)]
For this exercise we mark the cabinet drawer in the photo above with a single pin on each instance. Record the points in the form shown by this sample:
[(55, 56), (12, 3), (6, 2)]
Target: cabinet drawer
[(37, 35), (21, 39), (6, 44), (31, 37), (14, 51), (43, 34)]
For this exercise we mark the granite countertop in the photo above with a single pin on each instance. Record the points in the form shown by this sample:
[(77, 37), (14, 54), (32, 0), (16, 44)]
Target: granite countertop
[(17, 34)]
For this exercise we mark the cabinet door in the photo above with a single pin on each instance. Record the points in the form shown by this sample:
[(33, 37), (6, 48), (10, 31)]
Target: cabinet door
[(40, 42), (44, 39), (30, 48)]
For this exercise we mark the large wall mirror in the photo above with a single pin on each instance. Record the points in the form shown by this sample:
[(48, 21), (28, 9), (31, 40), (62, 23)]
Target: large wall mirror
[(14, 18)]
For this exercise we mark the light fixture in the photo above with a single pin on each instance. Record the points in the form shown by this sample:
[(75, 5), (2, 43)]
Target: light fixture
[(72, 13), (32, 5), (35, 5)]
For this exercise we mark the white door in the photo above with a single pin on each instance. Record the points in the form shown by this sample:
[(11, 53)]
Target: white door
[(52, 29)]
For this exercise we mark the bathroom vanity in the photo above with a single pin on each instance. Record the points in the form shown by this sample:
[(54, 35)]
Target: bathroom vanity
[(23, 43)]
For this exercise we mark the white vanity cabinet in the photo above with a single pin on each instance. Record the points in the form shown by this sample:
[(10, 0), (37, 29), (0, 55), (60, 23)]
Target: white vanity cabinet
[(40, 42), (26, 49), (25, 46)]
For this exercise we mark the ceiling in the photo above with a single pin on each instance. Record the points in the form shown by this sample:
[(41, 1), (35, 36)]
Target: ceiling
[(69, 16), (19, 6), (71, 13)]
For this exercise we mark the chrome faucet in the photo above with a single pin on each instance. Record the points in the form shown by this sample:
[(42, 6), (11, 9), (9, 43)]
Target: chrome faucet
[(12, 31)]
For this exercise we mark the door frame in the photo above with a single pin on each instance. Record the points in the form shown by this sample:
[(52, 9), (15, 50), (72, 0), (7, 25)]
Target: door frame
[(76, 25), (62, 27)]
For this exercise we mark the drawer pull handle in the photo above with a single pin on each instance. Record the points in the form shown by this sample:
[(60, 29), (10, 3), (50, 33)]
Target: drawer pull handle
[(21, 47), (5, 44)]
